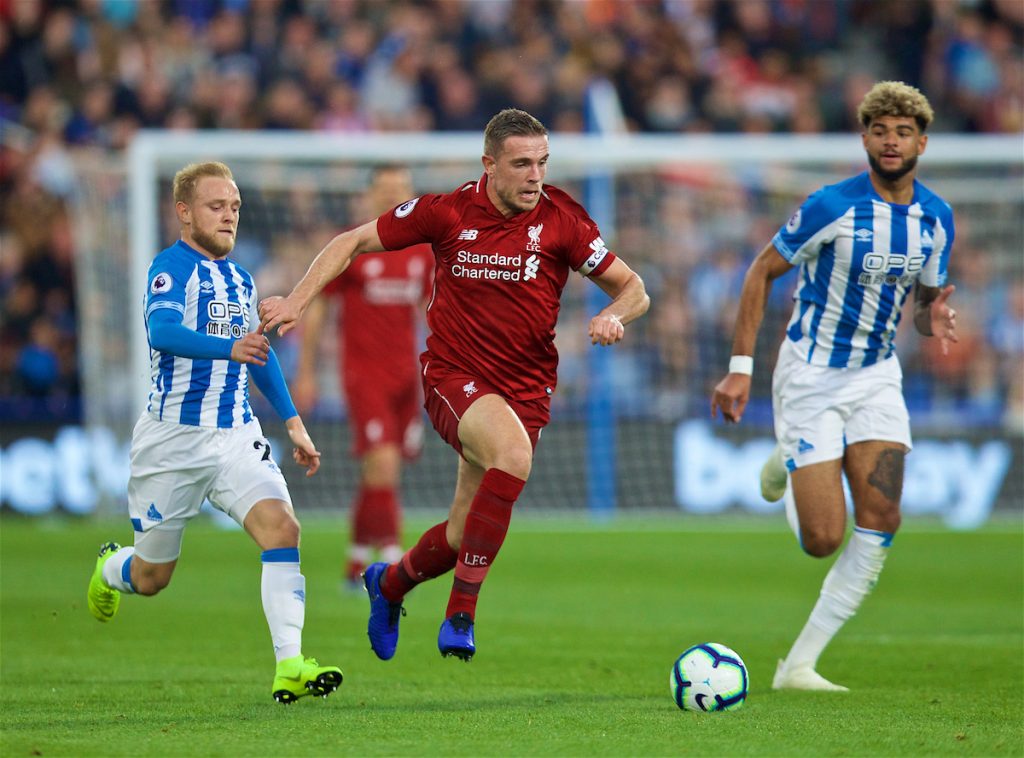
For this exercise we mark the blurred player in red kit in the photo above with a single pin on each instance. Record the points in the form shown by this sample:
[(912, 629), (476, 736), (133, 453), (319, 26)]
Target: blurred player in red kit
[(381, 295), (504, 245)]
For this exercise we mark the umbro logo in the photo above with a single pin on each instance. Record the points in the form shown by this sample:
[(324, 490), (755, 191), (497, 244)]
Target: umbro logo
[(468, 234), (863, 234)]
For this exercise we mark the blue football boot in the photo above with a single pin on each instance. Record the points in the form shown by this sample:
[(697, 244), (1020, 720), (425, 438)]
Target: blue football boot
[(456, 637), (382, 628)]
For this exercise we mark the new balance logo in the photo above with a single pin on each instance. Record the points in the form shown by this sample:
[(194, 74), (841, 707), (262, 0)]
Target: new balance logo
[(863, 234), (804, 446), (153, 514), (530, 269), (469, 388), (468, 234)]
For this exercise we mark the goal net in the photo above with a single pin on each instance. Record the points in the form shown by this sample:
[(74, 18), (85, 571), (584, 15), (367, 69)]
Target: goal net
[(630, 426)]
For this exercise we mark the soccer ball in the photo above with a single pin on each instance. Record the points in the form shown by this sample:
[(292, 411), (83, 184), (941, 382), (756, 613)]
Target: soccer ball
[(709, 677)]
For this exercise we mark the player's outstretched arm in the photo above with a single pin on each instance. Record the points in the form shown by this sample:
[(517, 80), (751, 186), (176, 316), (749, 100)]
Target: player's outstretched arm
[(283, 312), (629, 302), (732, 393), (304, 451), (933, 316)]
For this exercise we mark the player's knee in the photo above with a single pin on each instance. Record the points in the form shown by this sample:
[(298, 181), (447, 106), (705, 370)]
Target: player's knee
[(820, 542), (516, 460), (382, 474), (287, 531)]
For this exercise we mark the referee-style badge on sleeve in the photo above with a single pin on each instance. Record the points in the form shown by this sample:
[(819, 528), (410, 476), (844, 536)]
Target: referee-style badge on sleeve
[(406, 208), (161, 283)]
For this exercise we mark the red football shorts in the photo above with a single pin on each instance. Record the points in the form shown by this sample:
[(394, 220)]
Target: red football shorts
[(385, 412), (448, 393)]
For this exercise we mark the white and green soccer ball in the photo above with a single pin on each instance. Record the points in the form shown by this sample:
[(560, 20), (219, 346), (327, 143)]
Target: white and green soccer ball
[(709, 677)]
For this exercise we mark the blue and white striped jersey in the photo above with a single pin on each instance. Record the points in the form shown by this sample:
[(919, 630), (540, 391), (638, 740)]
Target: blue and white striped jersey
[(859, 257), (214, 298)]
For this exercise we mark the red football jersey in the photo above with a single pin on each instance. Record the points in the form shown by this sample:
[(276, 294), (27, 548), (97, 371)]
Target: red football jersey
[(380, 296), (498, 281)]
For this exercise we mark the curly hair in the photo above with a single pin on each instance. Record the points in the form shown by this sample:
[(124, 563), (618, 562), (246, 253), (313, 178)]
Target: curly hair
[(895, 99), (510, 122), (185, 181)]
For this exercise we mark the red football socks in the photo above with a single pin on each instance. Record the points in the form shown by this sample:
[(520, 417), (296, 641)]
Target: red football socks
[(431, 557), (375, 517), (486, 526)]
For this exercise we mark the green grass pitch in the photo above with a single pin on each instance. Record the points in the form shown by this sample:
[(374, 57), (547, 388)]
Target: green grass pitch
[(578, 627)]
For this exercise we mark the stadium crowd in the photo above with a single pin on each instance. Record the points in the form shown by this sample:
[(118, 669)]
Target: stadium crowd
[(79, 75)]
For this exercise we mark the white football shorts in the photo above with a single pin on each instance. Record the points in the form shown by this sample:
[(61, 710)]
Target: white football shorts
[(820, 410), (175, 467)]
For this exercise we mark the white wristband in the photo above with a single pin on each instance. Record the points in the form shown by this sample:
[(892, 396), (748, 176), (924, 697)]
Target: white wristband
[(741, 364)]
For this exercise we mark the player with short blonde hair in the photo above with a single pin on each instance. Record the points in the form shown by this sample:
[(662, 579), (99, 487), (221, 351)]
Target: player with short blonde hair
[(198, 438)]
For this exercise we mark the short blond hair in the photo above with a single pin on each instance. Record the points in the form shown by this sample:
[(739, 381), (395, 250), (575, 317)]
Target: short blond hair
[(186, 180), (895, 99)]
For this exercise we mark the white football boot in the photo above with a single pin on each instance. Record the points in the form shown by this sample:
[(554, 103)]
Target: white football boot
[(774, 476), (802, 677)]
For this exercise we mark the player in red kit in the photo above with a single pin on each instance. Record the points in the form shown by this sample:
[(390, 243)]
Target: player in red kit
[(503, 248), (381, 295)]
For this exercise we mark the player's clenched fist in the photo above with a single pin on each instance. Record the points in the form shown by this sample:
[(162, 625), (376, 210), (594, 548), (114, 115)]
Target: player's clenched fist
[(606, 330), (280, 312), (252, 348)]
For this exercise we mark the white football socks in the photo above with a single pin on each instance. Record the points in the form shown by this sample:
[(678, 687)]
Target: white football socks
[(391, 553), (850, 579), (360, 554), (283, 589), (117, 570)]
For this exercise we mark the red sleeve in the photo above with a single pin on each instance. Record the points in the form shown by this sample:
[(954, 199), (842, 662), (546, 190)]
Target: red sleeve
[(585, 250), (422, 219)]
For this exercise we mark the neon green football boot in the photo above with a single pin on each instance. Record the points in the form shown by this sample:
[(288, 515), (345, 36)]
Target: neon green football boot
[(103, 601), (300, 676)]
